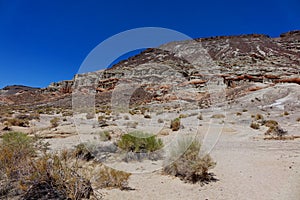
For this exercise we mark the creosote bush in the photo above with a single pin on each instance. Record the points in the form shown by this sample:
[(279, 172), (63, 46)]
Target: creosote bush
[(184, 162), (139, 142), (175, 124)]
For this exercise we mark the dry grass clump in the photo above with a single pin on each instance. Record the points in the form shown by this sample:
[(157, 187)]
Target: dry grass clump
[(111, 178), (175, 124), (131, 124), (147, 116), (57, 173), (200, 116), (105, 136), (17, 122), (183, 116), (270, 123), (160, 121), (54, 122), (90, 115), (126, 117), (254, 125), (24, 173), (218, 116), (276, 131), (184, 162), (82, 152), (259, 116), (139, 145)]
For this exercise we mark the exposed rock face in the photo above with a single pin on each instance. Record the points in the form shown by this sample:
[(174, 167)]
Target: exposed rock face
[(186, 66)]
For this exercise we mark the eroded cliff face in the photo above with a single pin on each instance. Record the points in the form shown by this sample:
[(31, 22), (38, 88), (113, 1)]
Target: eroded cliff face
[(183, 69)]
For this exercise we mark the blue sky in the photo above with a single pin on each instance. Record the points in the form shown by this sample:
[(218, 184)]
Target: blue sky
[(43, 41)]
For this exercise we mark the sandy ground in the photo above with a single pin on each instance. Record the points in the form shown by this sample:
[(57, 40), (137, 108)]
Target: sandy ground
[(248, 167)]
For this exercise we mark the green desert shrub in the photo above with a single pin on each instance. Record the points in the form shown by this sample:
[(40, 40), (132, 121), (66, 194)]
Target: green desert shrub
[(15, 152), (140, 142), (175, 124), (185, 162), (139, 146)]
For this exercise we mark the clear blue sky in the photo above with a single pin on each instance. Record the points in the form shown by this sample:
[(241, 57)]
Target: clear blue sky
[(42, 41)]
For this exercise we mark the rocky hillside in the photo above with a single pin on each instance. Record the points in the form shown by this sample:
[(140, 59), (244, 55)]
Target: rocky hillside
[(231, 60)]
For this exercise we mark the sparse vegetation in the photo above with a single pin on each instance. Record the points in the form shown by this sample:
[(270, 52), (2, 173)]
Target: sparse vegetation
[(218, 116), (105, 136), (160, 121), (54, 122), (286, 113), (90, 115), (184, 162), (82, 152), (131, 124), (21, 172), (254, 125), (270, 123), (276, 131), (147, 116), (16, 122), (238, 113), (259, 116), (183, 116), (175, 124), (200, 116)]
